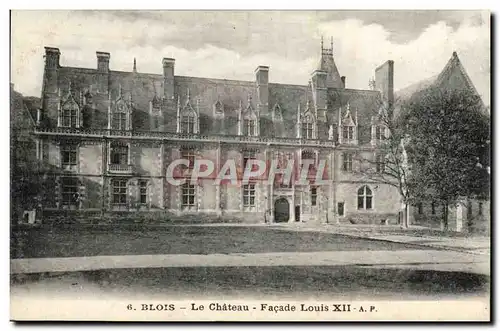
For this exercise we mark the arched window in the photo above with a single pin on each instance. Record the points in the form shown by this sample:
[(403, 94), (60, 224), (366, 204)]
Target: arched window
[(365, 198)]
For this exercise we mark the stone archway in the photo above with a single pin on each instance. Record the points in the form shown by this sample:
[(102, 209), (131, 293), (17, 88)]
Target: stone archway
[(281, 210)]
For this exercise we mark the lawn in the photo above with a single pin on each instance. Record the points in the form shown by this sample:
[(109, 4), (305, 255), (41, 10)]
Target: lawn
[(109, 240)]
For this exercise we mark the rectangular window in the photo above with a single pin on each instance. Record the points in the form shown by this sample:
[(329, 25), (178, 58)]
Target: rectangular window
[(248, 155), (380, 133), (190, 155), (69, 191), (120, 192), (348, 132), (420, 208), (480, 209), (249, 195), (314, 196), (69, 155), (187, 125), (69, 116), (119, 121), (433, 208), (143, 191), (347, 162), (119, 155), (188, 195), (307, 130), (340, 208), (249, 128)]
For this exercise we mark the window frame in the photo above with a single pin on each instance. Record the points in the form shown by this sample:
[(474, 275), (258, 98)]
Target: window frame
[(188, 196), (366, 196), (314, 196), (250, 127), (71, 151), (307, 130), (188, 123), (119, 193), (143, 191), (249, 195), (347, 162), (70, 197)]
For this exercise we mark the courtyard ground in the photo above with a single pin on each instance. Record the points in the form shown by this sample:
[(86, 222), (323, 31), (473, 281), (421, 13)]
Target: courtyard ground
[(229, 261), (225, 239)]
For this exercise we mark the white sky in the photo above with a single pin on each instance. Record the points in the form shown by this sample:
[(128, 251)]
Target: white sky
[(232, 44)]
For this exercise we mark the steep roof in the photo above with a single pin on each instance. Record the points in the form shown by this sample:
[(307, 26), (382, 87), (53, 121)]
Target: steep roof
[(453, 76)]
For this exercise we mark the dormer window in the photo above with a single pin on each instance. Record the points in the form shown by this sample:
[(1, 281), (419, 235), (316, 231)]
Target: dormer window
[(249, 127), (70, 115), (120, 119), (306, 123), (348, 132), (188, 123), (120, 114), (69, 111), (307, 130), (348, 126), (187, 117)]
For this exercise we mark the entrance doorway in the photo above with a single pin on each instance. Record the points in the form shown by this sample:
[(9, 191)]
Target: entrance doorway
[(297, 213), (281, 210)]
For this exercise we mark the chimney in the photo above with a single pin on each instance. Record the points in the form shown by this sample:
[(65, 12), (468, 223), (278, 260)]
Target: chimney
[(384, 81), (102, 61), (343, 81), (168, 77), (52, 56), (262, 80)]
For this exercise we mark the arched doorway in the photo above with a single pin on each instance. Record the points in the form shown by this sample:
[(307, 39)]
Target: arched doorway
[(281, 210)]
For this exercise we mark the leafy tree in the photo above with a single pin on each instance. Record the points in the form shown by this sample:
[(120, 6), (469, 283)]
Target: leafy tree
[(448, 146)]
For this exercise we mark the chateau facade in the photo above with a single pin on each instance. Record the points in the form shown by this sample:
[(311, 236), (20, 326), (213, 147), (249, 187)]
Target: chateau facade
[(104, 141)]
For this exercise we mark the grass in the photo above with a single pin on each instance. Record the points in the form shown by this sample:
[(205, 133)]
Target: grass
[(111, 240)]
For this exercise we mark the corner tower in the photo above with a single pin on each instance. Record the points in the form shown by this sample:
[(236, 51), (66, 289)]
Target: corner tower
[(327, 64)]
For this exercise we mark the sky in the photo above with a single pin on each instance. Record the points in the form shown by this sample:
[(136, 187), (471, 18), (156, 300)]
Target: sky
[(231, 44)]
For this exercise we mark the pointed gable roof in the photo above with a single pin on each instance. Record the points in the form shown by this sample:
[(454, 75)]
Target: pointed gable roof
[(327, 64)]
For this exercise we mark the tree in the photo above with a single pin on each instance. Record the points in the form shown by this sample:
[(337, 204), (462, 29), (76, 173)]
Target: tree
[(386, 163), (448, 146)]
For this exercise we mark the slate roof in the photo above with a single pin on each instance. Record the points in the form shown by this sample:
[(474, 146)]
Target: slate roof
[(206, 92)]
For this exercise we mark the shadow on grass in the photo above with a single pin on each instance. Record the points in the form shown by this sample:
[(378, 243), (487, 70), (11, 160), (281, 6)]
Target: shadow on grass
[(381, 282)]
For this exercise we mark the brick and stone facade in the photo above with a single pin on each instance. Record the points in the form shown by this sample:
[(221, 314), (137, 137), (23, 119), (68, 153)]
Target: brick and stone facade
[(105, 139)]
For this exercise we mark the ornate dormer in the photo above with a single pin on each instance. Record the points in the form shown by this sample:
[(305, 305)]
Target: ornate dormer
[(306, 123), (248, 120), (348, 126), (156, 113), (277, 118), (69, 112), (218, 108), (120, 112), (188, 116), (277, 114), (379, 129)]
